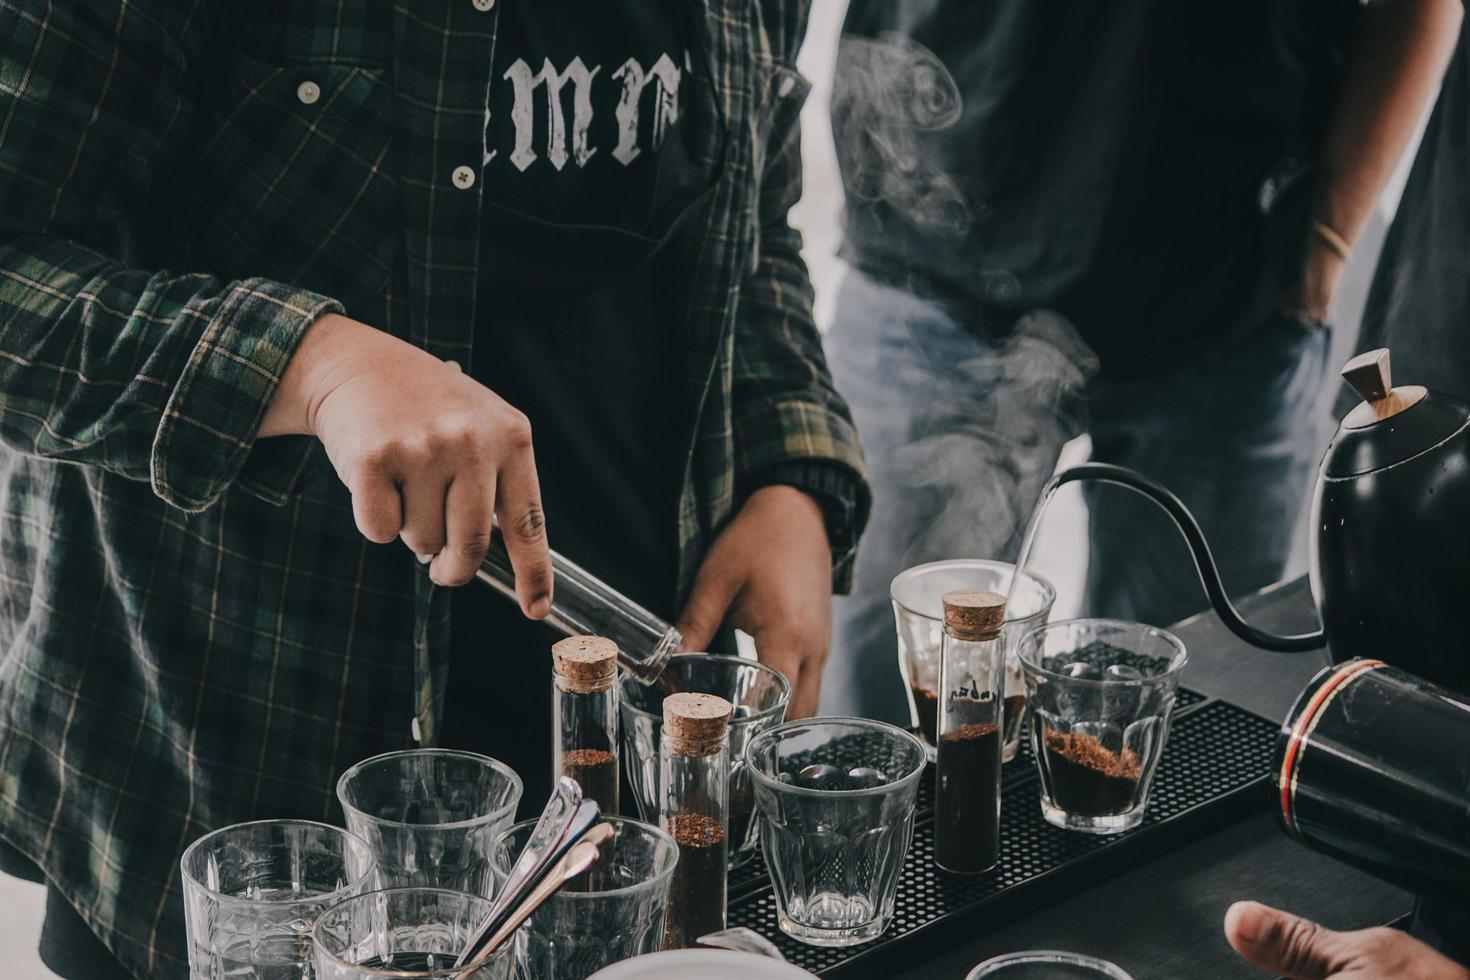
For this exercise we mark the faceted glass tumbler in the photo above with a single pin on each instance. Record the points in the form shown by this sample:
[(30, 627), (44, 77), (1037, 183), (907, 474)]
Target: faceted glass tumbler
[(252, 892), (404, 931), (760, 695), (836, 797), (1101, 694), (614, 911), (430, 815), (1046, 964), (918, 615)]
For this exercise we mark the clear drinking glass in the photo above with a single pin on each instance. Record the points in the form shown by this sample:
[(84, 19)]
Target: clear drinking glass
[(918, 614), (760, 695), (1101, 692), (837, 799), (404, 931), (613, 912), (430, 815), (1046, 964), (253, 890)]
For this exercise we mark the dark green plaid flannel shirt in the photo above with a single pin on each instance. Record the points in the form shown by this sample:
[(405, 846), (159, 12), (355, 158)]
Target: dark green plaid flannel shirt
[(192, 633)]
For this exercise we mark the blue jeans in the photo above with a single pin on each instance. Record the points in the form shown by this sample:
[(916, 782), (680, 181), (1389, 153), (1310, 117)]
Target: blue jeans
[(961, 433)]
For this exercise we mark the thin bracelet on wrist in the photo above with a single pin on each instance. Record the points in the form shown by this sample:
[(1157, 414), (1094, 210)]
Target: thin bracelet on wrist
[(1335, 242)]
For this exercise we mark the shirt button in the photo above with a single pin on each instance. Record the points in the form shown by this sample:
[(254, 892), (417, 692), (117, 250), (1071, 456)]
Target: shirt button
[(308, 92), (484, 5), (463, 177), (413, 729), (455, 365)]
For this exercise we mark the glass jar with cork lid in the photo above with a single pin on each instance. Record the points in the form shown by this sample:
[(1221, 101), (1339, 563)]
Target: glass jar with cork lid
[(585, 716), (694, 770), (971, 715)]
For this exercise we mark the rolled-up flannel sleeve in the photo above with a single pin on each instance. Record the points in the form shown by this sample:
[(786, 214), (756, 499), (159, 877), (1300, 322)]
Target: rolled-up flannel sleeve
[(785, 406), (155, 375)]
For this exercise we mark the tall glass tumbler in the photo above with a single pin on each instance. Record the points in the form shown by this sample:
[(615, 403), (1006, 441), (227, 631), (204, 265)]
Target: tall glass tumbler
[(614, 912), (918, 615), (837, 797), (1101, 694), (760, 695), (430, 815), (253, 890), (401, 932)]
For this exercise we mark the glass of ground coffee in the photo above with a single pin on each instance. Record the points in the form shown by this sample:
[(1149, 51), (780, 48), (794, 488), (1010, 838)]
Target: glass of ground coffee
[(613, 912), (403, 932), (694, 782), (430, 815), (1100, 695), (759, 695), (918, 615), (967, 771), (836, 797), (584, 717), (253, 890)]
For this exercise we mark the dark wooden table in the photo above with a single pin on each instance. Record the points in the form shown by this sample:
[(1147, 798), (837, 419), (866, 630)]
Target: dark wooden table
[(1162, 920)]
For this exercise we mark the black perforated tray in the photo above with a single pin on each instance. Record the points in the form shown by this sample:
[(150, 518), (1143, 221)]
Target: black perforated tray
[(1211, 775)]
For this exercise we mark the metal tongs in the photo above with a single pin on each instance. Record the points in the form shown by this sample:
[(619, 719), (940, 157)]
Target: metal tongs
[(562, 845)]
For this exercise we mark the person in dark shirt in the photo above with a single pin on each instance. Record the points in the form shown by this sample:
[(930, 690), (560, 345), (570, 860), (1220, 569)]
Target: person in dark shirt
[(1122, 218), (291, 293)]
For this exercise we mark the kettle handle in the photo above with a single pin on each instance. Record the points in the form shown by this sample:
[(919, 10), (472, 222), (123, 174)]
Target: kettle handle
[(1199, 549)]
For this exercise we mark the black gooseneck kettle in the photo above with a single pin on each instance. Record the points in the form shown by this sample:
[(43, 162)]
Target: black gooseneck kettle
[(1390, 556)]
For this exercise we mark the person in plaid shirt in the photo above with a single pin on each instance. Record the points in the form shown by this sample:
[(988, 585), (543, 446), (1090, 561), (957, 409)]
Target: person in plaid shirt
[(257, 262)]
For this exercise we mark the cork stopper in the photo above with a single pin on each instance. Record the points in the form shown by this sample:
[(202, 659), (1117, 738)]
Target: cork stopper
[(695, 724), (582, 664), (974, 615)]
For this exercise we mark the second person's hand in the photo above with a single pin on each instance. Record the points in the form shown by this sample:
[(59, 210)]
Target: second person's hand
[(769, 573), (429, 454)]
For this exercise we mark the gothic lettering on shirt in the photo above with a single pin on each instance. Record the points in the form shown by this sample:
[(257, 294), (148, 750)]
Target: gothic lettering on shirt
[(589, 94)]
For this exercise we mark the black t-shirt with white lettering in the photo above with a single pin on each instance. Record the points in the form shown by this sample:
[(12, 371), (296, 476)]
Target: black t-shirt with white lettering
[(594, 129)]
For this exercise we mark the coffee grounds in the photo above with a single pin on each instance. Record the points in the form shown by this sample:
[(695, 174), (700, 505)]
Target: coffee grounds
[(926, 702), (1104, 655), (926, 705), (1087, 778), (697, 892), (967, 799), (596, 771)]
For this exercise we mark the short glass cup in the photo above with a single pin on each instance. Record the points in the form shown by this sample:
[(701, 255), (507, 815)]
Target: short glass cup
[(1101, 693), (1046, 964), (918, 615), (430, 815), (399, 932), (612, 912), (837, 798), (253, 890), (760, 695)]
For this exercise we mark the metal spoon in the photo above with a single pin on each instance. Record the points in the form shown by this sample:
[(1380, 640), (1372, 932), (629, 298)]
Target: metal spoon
[(576, 861), (551, 827), (742, 940), (583, 818)]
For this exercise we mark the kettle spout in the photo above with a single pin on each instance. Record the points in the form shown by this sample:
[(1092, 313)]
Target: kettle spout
[(1199, 549)]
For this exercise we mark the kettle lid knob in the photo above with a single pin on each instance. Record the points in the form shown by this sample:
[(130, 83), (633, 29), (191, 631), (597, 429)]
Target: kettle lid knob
[(1369, 374)]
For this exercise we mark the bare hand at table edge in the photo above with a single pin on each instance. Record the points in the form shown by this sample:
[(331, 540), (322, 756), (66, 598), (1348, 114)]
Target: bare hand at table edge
[(423, 448), (1298, 949), (769, 573)]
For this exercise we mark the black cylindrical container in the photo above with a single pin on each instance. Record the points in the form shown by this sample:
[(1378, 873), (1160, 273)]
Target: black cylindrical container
[(1373, 767)]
